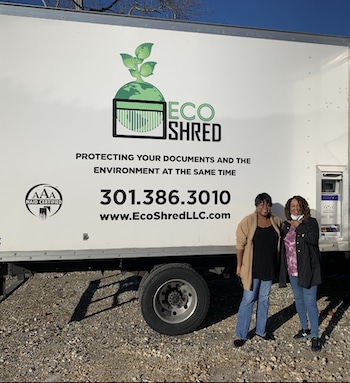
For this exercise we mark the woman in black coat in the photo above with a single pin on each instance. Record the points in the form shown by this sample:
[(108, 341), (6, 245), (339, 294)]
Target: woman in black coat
[(301, 265)]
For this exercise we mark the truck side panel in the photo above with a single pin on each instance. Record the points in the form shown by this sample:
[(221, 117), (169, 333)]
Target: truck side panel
[(125, 137)]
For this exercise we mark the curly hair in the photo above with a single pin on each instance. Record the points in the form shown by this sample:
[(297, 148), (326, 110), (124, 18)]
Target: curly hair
[(304, 206)]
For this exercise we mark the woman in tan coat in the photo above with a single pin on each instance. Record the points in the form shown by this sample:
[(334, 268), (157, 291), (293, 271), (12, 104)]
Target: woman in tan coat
[(257, 250)]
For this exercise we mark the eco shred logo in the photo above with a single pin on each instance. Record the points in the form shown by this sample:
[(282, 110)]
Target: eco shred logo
[(43, 200), (140, 109)]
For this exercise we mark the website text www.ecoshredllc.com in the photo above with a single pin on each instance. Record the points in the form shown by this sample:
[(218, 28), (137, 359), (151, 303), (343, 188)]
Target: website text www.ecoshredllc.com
[(160, 215)]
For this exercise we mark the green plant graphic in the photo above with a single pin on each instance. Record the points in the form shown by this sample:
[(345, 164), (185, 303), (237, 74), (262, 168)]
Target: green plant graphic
[(142, 52), (144, 112)]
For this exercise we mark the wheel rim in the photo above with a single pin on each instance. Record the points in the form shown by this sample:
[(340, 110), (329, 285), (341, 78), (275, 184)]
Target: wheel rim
[(175, 301)]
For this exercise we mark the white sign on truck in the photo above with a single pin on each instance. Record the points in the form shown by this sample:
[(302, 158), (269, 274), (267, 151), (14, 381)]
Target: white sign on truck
[(131, 138)]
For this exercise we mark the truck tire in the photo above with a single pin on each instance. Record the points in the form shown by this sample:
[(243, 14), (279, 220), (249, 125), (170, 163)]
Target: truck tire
[(142, 283), (144, 278), (174, 299)]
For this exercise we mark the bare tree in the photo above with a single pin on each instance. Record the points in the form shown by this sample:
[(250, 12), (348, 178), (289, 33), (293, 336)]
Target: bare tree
[(170, 9)]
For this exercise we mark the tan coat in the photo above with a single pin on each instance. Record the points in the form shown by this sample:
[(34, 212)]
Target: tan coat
[(245, 233)]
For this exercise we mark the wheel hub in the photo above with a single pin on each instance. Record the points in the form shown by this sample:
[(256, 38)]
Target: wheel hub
[(175, 298)]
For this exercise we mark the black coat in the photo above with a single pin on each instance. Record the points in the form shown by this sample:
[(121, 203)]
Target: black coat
[(308, 254)]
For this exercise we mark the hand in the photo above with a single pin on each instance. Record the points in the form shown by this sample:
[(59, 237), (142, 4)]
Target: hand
[(238, 271)]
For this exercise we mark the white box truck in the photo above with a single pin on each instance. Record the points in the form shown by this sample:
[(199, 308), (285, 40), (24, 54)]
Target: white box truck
[(140, 144)]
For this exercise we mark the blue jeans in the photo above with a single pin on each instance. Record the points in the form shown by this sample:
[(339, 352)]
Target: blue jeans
[(306, 305), (260, 293)]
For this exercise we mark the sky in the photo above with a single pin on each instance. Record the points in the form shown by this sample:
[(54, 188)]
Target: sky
[(330, 17)]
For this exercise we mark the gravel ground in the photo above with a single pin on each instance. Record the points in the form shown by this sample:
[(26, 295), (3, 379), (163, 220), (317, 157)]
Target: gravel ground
[(87, 326)]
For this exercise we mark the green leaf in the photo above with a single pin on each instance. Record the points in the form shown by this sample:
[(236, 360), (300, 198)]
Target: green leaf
[(147, 68), (133, 72), (144, 50), (128, 60)]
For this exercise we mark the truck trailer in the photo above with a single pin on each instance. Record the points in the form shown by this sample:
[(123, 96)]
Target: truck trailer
[(139, 144)]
